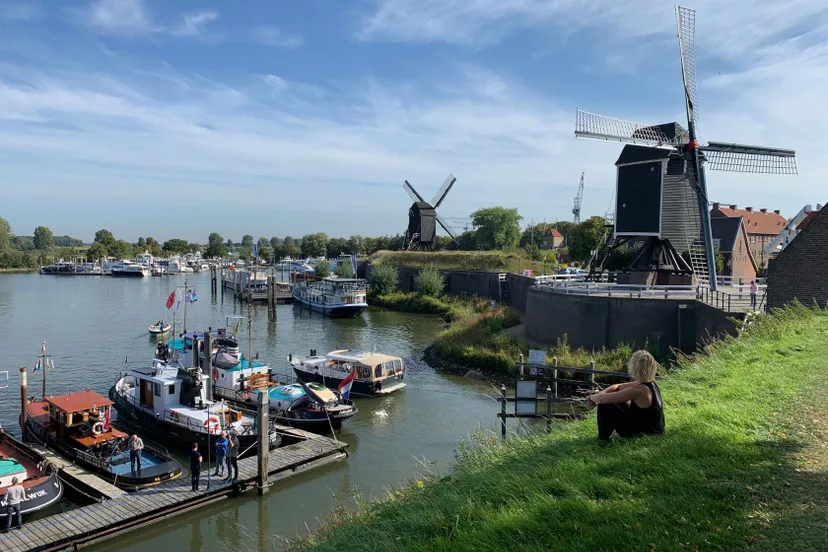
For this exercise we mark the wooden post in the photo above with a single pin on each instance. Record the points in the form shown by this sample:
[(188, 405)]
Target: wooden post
[(555, 377), (592, 374), (43, 366), (196, 360), (520, 363), (548, 409), (23, 400), (207, 364), (503, 410), (264, 442)]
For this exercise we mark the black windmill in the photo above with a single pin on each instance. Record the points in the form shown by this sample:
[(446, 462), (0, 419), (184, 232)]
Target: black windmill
[(423, 219), (661, 193)]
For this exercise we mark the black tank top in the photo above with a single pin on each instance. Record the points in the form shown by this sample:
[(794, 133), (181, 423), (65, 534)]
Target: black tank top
[(649, 420)]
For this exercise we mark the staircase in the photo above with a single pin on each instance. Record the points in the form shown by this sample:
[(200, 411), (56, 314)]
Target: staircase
[(691, 219), (698, 262)]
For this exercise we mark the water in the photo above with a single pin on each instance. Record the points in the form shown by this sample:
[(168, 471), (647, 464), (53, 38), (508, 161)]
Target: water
[(91, 325)]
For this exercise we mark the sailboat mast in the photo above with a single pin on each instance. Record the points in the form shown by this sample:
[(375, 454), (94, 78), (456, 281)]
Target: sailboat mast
[(185, 305)]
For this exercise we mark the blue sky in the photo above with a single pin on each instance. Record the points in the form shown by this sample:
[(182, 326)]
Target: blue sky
[(178, 118)]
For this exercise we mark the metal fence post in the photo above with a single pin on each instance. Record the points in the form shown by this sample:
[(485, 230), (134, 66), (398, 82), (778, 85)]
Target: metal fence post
[(503, 410), (548, 409)]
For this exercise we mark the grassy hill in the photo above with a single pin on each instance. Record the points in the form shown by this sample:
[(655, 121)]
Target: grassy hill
[(485, 261)]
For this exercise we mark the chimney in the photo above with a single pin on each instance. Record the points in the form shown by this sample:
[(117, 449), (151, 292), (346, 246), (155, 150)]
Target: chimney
[(763, 210), (733, 207), (716, 205), (776, 211), (749, 209)]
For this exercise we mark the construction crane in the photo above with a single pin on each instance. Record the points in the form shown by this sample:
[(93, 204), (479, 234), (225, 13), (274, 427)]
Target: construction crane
[(576, 209)]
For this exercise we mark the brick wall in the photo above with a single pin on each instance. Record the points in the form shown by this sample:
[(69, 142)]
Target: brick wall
[(801, 270)]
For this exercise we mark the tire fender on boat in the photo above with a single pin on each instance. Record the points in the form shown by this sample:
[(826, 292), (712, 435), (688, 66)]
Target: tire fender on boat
[(212, 425), (215, 374), (98, 428)]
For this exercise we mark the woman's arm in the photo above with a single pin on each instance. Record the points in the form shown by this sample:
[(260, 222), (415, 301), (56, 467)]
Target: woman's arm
[(627, 393)]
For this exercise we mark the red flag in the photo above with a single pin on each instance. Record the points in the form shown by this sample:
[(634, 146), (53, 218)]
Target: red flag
[(171, 299), (108, 418)]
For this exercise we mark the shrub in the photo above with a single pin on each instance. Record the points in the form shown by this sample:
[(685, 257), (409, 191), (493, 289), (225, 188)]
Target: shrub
[(344, 270), (384, 280), (322, 269), (430, 282)]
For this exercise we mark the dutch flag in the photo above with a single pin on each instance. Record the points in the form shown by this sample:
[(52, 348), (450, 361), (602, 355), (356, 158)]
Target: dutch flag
[(345, 386)]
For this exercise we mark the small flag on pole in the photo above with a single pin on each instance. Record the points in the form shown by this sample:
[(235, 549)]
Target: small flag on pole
[(171, 300), (43, 348), (345, 386)]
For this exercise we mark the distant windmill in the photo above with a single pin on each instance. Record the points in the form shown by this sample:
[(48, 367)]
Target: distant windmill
[(661, 190), (576, 208), (421, 233)]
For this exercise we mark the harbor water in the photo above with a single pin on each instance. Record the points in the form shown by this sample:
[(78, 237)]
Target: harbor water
[(95, 326)]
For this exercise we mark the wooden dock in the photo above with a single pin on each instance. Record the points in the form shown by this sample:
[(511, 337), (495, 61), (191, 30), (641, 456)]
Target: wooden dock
[(238, 282), (108, 518), (78, 477)]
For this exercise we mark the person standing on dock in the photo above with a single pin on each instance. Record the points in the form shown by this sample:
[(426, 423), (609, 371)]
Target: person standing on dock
[(136, 445), (233, 456), (15, 495), (195, 466), (753, 289), (221, 452)]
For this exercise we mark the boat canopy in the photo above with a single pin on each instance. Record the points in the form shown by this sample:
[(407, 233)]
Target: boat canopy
[(78, 402), (360, 357)]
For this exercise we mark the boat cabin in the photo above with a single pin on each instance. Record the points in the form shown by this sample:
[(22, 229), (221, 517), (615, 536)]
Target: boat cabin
[(82, 419), (368, 366)]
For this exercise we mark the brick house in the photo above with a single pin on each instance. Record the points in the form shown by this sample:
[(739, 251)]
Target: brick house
[(761, 227), (552, 240), (731, 235), (799, 272)]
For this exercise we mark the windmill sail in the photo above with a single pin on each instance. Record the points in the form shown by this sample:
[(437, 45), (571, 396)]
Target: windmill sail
[(409, 189), (443, 191), (446, 227), (591, 126), (686, 22), (722, 156)]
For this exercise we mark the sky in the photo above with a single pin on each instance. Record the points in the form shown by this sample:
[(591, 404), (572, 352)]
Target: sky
[(283, 117)]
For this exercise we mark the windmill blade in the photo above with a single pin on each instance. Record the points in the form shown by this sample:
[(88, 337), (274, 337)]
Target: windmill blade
[(447, 228), (412, 192), (590, 126), (443, 191), (722, 156), (686, 23)]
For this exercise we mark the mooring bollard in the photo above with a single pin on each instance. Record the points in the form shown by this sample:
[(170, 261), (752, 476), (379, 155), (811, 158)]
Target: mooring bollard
[(548, 409), (503, 410), (264, 443)]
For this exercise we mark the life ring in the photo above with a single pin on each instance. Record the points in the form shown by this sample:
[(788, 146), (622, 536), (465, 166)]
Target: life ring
[(174, 416), (215, 374), (98, 428), (212, 425)]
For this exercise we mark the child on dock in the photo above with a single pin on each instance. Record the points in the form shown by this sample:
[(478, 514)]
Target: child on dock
[(633, 408)]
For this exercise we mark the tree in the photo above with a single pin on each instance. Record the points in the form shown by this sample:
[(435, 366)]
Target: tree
[(105, 237), (496, 227), (43, 238), (121, 250), (247, 241), (335, 246), (66, 241), (142, 243), (229, 243), (384, 280), (314, 245), (96, 251), (5, 234), (356, 245), (175, 245), (322, 269), (585, 237), (153, 247), (344, 270), (429, 282), (216, 249), (275, 244), (288, 242)]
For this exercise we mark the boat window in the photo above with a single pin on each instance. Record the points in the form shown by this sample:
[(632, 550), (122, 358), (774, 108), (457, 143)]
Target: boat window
[(156, 389), (389, 367), (398, 365), (363, 371), (378, 371), (172, 389)]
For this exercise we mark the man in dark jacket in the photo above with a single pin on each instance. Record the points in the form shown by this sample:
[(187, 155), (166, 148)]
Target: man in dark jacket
[(233, 456)]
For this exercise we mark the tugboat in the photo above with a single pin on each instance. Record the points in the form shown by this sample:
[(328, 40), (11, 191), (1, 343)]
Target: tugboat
[(366, 374), (169, 401), (38, 477), (78, 427), (343, 297)]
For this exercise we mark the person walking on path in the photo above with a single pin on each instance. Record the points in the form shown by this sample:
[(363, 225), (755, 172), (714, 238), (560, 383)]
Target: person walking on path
[(15, 495), (136, 445), (195, 466), (233, 456), (221, 452), (753, 289)]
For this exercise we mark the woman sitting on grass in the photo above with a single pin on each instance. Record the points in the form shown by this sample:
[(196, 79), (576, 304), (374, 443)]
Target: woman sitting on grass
[(632, 408)]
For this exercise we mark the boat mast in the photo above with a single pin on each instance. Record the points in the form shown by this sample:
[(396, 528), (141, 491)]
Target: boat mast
[(185, 305), (249, 331), (43, 360)]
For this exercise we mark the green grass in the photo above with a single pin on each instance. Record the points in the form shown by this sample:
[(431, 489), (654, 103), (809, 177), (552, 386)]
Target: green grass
[(476, 337), (482, 261), (712, 482)]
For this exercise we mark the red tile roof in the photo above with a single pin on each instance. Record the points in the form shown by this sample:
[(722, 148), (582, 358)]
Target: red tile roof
[(556, 233), (756, 222), (78, 402)]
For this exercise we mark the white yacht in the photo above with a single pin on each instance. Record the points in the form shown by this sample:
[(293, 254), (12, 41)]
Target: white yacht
[(128, 269), (332, 296)]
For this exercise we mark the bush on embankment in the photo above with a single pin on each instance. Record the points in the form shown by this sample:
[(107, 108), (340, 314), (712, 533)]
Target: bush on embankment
[(476, 340), (709, 483), (476, 261)]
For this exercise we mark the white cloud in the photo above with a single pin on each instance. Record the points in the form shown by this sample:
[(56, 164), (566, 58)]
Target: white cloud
[(271, 36), (131, 17)]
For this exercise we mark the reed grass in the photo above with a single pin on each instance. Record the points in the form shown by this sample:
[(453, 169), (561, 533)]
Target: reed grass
[(715, 480), (477, 261)]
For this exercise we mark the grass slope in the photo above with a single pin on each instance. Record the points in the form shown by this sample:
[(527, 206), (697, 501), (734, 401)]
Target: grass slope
[(707, 484), (483, 261)]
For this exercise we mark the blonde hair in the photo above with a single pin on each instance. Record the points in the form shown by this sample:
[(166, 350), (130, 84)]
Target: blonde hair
[(642, 366)]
